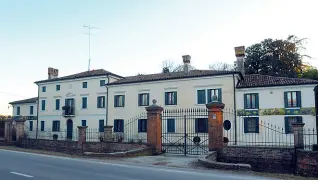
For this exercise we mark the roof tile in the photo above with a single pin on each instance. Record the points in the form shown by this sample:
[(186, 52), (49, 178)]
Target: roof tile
[(23, 101)]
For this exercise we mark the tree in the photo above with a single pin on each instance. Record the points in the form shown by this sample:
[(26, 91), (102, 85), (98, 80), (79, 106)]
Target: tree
[(169, 66), (308, 72), (275, 57), (219, 66)]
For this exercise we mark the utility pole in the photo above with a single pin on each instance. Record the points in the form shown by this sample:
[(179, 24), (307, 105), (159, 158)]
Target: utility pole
[(89, 43)]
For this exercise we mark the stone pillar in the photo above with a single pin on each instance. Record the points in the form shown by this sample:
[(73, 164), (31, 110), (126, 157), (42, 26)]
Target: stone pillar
[(154, 130), (14, 128), (215, 122), (8, 131), (20, 129), (108, 134), (81, 134), (298, 129)]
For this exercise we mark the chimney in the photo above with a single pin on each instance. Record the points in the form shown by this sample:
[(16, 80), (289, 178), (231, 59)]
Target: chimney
[(186, 63), (53, 73), (239, 63)]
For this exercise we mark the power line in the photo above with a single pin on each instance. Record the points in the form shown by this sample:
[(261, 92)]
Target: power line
[(89, 43)]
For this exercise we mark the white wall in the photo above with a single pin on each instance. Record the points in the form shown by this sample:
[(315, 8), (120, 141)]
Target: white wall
[(73, 89), (24, 109)]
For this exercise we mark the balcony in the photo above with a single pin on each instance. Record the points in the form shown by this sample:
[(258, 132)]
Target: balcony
[(68, 111)]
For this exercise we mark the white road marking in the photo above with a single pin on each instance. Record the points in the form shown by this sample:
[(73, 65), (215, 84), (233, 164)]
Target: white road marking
[(20, 174)]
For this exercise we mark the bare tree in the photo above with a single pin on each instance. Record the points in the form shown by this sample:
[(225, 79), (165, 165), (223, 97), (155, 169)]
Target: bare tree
[(168, 66), (221, 67)]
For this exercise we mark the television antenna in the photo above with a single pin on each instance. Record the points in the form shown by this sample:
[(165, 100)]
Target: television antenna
[(89, 43)]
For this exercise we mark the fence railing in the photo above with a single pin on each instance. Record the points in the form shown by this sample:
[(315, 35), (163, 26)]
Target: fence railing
[(310, 138)]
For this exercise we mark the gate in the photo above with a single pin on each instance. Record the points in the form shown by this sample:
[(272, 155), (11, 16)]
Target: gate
[(185, 131), (2, 128)]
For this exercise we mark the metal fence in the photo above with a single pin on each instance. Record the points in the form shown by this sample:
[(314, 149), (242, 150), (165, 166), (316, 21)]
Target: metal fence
[(310, 138)]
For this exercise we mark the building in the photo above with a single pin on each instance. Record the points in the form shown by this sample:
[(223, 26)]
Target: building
[(75, 100)]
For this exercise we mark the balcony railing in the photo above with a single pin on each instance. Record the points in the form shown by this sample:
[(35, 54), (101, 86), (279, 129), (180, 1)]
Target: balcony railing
[(68, 111)]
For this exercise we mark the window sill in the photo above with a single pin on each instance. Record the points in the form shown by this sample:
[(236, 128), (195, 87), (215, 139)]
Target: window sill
[(200, 104), (251, 109), (143, 106), (98, 108), (171, 105), (120, 107), (293, 108)]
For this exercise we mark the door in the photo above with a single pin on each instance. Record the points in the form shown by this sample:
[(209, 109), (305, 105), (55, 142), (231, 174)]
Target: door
[(69, 126), (70, 104)]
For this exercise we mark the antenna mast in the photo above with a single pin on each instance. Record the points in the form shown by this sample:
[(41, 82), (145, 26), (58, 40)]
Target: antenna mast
[(89, 43)]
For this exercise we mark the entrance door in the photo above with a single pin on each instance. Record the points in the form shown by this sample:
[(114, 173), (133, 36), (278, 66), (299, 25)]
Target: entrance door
[(69, 130)]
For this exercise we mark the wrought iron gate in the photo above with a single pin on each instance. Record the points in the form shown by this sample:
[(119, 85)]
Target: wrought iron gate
[(185, 131)]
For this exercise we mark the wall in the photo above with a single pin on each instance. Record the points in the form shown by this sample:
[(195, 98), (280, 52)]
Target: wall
[(73, 89), (307, 163), (269, 159), (186, 91)]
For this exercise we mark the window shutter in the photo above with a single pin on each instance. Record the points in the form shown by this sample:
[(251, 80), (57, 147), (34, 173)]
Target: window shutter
[(98, 102), (173, 125), (245, 125), (299, 119), (115, 125), (199, 96), (139, 125), (145, 124), (123, 100), (166, 98), (285, 99), (209, 96), (206, 125), (115, 101), (286, 125), (220, 95), (298, 96), (196, 125), (256, 101), (257, 125), (175, 98), (104, 103), (245, 101), (139, 99), (122, 125), (148, 99)]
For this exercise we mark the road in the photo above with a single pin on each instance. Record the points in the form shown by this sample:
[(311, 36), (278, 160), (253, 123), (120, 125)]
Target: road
[(28, 166)]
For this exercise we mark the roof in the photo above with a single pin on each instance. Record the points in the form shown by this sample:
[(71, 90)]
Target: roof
[(30, 100), (172, 75), (257, 80), (92, 73)]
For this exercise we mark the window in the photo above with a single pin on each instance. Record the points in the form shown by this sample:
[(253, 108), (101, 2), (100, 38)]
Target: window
[(251, 101), (56, 126), (212, 92), (43, 105), (84, 102), (171, 126), (142, 125), (201, 125), (43, 88), (42, 125), (58, 87), (102, 83), (30, 125), (292, 99), (57, 104), (119, 101), (101, 125), (251, 125), (289, 121), (101, 102), (31, 110), (171, 98), (84, 84), (118, 125), (143, 99), (18, 110), (201, 96), (83, 122)]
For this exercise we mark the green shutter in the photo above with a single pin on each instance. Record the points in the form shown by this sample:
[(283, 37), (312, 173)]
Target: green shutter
[(299, 119), (220, 95), (175, 98), (148, 99), (139, 100), (286, 125), (298, 96), (115, 101), (98, 102), (245, 101), (201, 96), (139, 125), (285, 99), (123, 100), (256, 101), (209, 96), (257, 124), (245, 125), (166, 98)]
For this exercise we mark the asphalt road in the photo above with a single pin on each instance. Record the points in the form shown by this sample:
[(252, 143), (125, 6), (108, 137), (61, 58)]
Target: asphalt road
[(28, 166)]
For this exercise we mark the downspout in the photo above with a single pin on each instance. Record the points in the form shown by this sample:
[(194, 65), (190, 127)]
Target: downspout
[(37, 113), (235, 123), (107, 100)]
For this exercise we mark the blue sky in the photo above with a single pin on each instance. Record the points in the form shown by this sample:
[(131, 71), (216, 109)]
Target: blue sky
[(135, 36)]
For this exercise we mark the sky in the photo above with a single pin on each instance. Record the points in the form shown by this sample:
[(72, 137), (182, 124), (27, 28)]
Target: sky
[(135, 36)]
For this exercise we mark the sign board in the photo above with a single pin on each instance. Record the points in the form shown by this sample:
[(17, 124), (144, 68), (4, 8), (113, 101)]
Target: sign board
[(240, 51)]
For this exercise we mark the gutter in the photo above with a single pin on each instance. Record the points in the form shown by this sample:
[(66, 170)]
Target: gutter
[(37, 113)]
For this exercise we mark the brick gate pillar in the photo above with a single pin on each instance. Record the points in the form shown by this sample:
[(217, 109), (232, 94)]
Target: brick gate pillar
[(298, 129), (81, 134), (154, 129), (108, 134), (215, 124)]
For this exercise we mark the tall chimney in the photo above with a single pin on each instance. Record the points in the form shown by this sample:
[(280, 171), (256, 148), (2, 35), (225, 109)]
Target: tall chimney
[(239, 63), (186, 63)]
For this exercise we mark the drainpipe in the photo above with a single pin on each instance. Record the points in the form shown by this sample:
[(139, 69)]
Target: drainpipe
[(37, 113), (234, 90), (107, 100)]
